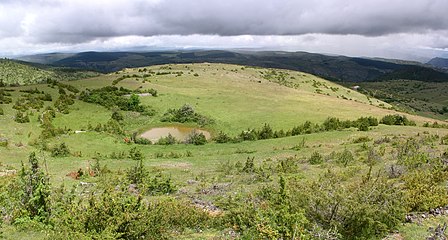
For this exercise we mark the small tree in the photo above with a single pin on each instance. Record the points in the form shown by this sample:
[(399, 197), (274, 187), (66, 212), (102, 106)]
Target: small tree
[(196, 138), (60, 151), (137, 174), (117, 116), (135, 154), (35, 190)]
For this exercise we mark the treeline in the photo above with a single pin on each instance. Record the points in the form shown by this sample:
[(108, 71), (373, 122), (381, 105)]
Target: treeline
[(330, 124)]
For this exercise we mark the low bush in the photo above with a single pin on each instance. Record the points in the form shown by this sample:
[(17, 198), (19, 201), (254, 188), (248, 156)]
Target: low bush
[(60, 150), (397, 120), (185, 114), (196, 138)]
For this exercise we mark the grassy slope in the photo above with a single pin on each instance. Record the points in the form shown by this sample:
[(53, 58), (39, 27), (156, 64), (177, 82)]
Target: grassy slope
[(236, 100), (14, 73), (232, 96), (423, 98)]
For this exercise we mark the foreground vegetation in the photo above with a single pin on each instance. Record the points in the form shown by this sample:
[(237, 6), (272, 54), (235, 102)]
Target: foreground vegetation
[(292, 156)]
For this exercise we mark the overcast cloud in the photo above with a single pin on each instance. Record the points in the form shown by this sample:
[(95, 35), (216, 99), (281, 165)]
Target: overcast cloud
[(385, 28)]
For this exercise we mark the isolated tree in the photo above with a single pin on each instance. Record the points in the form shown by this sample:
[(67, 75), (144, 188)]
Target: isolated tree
[(35, 190)]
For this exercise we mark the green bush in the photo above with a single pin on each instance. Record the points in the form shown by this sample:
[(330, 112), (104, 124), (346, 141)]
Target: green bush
[(117, 116), (266, 132), (425, 190), (316, 158), (397, 120), (21, 117), (185, 114), (168, 140), (222, 138), (116, 214), (1, 111), (196, 138), (142, 141), (34, 192), (135, 154), (345, 158), (61, 150)]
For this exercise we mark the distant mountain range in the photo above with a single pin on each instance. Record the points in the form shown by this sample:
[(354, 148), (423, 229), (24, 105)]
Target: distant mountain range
[(336, 68), (439, 63)]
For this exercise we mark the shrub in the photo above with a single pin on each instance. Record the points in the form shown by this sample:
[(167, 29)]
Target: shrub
[(137, 174), (21, 117), (34, 191), (331, 124), (266, 132), (196, 138), (362, 139), (316, 158), (222, 138), (168, 140), (425, 190), (60, 151), (397, 120), (249, 135), (160, 185), (135, 154), (142, 141), (185, 114), (345, 157), (4, 142), (116, 214), (117, 116), (1, 111)]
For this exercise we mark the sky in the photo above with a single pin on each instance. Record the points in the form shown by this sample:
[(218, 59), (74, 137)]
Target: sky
[(404, 29)]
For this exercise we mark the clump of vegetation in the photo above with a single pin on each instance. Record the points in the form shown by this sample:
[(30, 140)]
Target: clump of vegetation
[(32, 193), (1, 112), (222, 138), (63, 102), (135, 154), (112, 96), (168, 140), (60, 150), (185, 114), (4, 142), (196, 138), (316, 158), (21, 117), (397, 120)]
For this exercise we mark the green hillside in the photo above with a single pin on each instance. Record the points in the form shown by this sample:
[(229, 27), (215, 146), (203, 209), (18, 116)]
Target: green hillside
[(14, 73), (291, 155)]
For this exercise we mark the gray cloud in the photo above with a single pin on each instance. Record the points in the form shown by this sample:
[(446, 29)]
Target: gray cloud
[(79, 21), (335, 26)]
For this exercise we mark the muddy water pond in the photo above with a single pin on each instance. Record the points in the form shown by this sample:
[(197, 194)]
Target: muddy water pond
[(180, 133)]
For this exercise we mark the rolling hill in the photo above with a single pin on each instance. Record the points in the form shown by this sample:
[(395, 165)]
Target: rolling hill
[(13, 73), (335, 68), (282, 140)]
